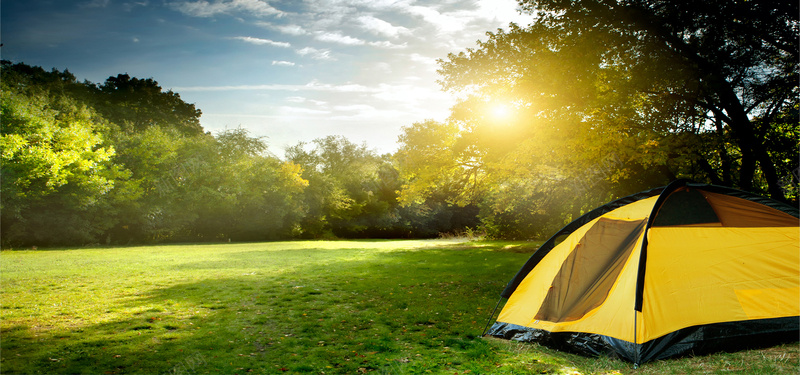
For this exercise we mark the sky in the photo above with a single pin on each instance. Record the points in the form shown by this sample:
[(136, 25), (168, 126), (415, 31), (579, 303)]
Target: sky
[(289, 71)]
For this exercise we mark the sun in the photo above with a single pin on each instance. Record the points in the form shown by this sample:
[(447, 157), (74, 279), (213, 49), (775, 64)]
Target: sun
[(500, 112)]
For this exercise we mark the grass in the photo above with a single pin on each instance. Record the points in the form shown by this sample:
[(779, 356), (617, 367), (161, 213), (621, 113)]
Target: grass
[(317, 307)]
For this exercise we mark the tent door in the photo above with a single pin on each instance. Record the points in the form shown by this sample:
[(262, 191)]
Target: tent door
[(591, 269)]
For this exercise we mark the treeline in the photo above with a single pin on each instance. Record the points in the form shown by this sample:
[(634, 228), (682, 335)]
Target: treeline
[(587, 103), (127, 162)]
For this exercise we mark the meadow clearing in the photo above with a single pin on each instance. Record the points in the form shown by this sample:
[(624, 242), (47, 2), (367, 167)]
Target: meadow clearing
[(305, 307)]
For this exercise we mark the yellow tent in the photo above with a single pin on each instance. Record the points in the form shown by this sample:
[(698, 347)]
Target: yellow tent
[(684, 268)]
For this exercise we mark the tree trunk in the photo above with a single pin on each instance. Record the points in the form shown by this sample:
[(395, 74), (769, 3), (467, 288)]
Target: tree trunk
[(726, 164), (751, 145)]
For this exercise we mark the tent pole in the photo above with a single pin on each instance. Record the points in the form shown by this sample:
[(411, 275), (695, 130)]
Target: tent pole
[(491, 316), (635, 340)]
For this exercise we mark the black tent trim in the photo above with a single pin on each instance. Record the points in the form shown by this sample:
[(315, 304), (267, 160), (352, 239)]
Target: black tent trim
[(697, 340)]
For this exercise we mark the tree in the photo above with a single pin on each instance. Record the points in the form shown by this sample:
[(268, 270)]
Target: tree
[(444, 177), (689, 89), (353, 193), (59, 177), (132, 103), (136, 104), (207, 188), (342, 185), (434, 159), (242, 193)]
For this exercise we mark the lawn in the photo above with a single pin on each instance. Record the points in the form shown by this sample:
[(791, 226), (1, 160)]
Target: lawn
[(315, 307)]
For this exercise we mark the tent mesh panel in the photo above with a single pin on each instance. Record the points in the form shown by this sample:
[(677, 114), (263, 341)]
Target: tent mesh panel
[(588, 273)]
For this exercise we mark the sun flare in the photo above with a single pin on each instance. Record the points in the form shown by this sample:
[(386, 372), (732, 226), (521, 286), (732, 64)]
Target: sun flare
[(500, 112)]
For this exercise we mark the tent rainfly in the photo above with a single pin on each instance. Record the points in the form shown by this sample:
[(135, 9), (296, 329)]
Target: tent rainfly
[(686, 268)]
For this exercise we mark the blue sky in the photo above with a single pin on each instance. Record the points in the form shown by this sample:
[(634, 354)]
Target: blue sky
[(289, 71)]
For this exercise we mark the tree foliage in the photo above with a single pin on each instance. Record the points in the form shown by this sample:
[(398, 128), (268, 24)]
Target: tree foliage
[(146, 172), (136, 104), (610, 97), (56, 172), (126, 162), (690, 89)]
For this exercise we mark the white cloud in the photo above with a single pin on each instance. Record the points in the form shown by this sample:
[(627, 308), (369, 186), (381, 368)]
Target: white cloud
[(282, 63), (388, 45), (457, 23), (305, 111), (292, 29), (409, 94), (301, 99), (381, 27), (427, 60), (383, 67), (338, 38), (505, 11), (368, 114), (135, 40), (296, 99), (443, 22), (204, 8), (354, 108), (349, 87), (316, 54), (259, 41), (131, 5), (311, 86)]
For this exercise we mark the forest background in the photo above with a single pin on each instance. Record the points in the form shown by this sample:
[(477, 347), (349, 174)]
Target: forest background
[(590, 102)]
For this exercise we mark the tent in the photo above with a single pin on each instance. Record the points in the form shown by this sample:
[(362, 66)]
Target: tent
[(686, 268)]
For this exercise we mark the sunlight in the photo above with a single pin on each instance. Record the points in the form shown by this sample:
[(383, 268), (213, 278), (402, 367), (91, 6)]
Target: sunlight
[(500, 112)]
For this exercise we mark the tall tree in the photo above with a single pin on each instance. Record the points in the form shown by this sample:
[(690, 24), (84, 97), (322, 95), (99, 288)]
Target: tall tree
[(59, 180), (431, 165), (342, 185), (137, 104), (688, 88)]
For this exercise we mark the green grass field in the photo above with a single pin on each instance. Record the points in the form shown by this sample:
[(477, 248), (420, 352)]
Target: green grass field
[(316, 307)]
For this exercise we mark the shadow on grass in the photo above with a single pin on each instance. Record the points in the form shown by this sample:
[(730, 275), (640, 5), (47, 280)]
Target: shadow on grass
[(280, 311)]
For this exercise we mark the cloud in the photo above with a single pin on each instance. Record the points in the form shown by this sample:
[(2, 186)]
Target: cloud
[(381, 27), (443, 22), (316, 54), (135, 40), (305, 111), (415, 57), (311, 86), (259, 41), (282, 63), (502, 10), (383, 67), (354, 108), (129, 6), (291, 29), (334, 37), (204, 8), (388, 45), (408, 94), (302, 99)]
